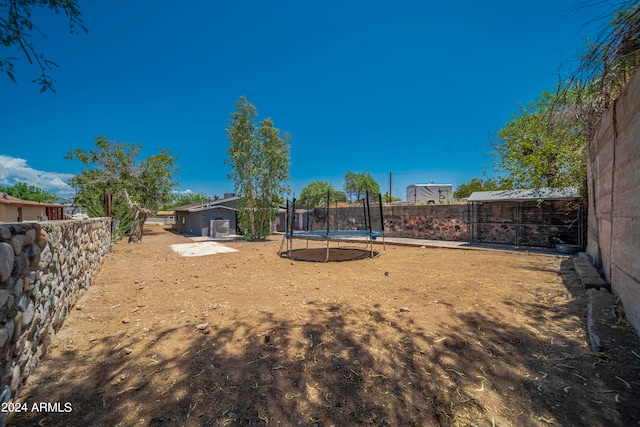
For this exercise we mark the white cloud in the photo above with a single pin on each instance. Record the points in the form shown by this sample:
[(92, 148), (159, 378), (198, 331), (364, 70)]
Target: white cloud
[(15, 170), (183, 192)]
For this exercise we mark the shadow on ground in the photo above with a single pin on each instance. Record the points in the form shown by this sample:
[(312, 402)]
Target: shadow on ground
[(337, 366)]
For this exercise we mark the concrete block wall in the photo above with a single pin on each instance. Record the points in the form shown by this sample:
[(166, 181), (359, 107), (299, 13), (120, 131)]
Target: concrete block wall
[(613, 173), (44, 268)]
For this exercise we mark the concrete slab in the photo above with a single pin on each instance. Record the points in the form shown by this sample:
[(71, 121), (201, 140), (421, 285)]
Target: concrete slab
[(201, 249)]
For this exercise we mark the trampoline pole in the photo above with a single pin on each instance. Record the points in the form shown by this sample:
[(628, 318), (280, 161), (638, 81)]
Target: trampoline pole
[(328, 206), (381, 214), (292, 215), (384, 244), (368, 218), (287, 229)]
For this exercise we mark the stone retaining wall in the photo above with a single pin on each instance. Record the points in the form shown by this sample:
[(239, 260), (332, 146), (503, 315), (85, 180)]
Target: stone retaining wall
[(44, 268), (434, 222)]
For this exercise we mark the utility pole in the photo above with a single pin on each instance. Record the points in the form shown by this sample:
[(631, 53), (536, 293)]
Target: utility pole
[(390, 187)]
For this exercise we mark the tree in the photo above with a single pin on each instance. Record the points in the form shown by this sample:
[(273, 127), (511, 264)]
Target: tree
[(259, 159), (386, 198), (138, 188), (183, 199), (315, 194), (544, 146), (274, 167), (16, 29), (475, 184), (29, 192), (359, 183), (607, 65)]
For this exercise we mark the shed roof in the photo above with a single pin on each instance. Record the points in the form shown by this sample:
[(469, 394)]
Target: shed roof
[(525, 195)]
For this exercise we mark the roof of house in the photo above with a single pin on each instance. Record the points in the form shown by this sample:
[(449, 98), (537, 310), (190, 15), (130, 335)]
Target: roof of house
[(525, 195), (207, 208), (7, 199), (202, 205)]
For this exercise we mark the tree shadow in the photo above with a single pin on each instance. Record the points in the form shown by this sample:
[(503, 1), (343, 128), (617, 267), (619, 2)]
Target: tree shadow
[(336, 364)]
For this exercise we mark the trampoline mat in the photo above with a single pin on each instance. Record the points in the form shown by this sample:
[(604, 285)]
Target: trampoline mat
[(335, 254)]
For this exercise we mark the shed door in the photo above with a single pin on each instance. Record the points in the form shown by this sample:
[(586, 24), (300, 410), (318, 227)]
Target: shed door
[(219, 228)]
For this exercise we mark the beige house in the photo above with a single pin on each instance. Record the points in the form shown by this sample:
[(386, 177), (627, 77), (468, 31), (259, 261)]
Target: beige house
[(13, 209)]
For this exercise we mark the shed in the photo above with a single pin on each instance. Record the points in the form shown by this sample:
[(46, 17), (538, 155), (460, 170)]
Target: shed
[(544, 217), (302, 220), (430, 194), (196, 219), (13, 209)]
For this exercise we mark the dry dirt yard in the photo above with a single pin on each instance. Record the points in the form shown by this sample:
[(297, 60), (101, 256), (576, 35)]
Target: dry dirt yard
[(417, 337)]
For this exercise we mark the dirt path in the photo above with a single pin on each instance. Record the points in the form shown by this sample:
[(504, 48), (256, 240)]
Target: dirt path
[(418, 336)]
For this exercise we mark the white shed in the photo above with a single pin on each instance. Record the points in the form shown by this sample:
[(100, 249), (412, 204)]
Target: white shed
[(429, 194)]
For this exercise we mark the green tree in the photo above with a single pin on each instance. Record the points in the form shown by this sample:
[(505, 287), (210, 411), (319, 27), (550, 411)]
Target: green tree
[(16, 28), (259, 159), (29, 192), (359, 183), (274, 173), (315, 194), (386, 198), (475, 184), (541, 147), (545, 145), (138, 188), (184, 199), (606, 67)]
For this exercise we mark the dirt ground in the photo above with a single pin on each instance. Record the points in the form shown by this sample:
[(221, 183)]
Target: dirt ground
[(419, 336)]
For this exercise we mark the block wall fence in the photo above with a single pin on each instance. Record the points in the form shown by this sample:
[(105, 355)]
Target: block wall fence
[(44, 268), (613, 174)]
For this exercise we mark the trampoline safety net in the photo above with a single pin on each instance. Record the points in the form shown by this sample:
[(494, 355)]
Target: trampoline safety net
[(362, 224)]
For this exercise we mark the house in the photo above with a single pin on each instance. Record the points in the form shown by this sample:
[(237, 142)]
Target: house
[(13, 209), (544, 217), (213, 218), (162, 217)]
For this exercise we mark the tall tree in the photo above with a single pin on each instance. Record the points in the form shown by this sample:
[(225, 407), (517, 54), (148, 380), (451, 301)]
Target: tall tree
[(16, 28), (544, 146), (113, 168), (315, 194), (356, 184), (183, 199), (607, 65), (259, 159), (274, 167), (29, 192)]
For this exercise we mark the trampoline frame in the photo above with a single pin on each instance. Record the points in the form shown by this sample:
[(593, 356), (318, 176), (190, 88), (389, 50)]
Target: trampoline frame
[(328, 235)]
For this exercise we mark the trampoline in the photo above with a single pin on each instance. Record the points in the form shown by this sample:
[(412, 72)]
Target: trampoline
[(346, 227)]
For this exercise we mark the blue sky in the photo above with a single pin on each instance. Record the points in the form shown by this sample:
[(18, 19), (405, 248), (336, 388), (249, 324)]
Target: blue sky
[(413, 88)]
